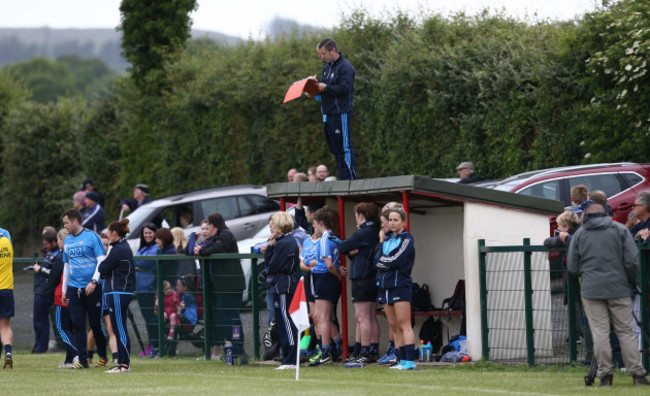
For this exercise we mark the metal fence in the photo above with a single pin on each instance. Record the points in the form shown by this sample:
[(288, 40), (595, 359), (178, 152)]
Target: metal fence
[(531, 311), (198, 337)]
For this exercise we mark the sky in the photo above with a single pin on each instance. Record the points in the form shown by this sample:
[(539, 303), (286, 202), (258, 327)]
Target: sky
[(249, 18)]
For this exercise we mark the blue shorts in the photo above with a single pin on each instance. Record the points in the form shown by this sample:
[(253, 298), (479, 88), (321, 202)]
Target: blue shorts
[(327, 287), (309, 287), (6, 303), (391, 296), (364, 290)]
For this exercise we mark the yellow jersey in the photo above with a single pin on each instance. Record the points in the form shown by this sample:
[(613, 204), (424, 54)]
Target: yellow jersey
[(6, 264)]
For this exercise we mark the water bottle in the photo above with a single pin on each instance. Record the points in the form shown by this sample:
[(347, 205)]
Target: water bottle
[(421, 350), (428, 349), (257, 248), (228, 353)]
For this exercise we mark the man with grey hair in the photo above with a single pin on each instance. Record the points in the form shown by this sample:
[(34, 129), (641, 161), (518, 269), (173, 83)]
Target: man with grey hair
[(603, 253), (466, 173), (642, 212), (140, 197)]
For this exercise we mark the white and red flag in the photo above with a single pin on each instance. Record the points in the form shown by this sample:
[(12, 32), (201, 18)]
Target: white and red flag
[(300, 317)]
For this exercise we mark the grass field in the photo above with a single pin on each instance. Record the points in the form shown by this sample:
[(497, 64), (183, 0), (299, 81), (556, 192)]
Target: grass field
[(38, 375)]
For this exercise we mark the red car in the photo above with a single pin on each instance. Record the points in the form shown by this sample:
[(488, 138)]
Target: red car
[(622, 182)]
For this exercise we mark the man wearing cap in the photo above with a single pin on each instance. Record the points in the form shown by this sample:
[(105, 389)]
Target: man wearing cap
[(466, 173), (140, 197), (87, 185), (94, 216)]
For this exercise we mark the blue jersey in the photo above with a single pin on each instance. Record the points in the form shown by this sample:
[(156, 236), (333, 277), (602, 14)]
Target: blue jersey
[(309, 251), (5, 233), (327, 248), (81, 252)]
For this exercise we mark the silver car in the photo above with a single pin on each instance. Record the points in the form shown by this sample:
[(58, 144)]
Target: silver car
[(245, 208)]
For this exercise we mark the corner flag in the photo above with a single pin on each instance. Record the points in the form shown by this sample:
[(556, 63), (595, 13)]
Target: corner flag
[(299, 316), (298, 308)]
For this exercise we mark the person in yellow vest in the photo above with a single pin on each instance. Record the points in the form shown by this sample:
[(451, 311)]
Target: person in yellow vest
[(6, 295)]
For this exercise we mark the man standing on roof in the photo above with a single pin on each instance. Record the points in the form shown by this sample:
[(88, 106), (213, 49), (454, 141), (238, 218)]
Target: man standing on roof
[(466, 173), (336, 87)]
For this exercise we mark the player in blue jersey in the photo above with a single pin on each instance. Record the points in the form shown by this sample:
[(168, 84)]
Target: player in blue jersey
[(82, 251), (327, 282)]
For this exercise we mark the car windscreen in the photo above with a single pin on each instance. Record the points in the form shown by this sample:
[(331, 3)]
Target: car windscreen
[(138, 218)]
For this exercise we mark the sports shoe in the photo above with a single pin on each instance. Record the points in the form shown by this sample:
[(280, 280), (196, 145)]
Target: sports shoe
[(9, 362), (317, 354), (396, 365), (350, 359), (146, 352), (118, 370), (321, 360), (65, 365), (640, 380), (407, 365), (366, 359), (388, 358), (102, 362), (154, 353), (79, 365), (606, 380), (286, 367)]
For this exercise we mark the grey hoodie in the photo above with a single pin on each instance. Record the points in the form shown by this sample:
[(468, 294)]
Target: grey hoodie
[(605, 256)]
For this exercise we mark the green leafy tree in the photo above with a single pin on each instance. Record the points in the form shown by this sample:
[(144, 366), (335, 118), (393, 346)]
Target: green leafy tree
[(152, 32)]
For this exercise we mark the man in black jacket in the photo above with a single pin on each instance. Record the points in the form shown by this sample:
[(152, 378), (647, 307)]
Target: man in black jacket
[(336, 87), (227, 283), (43, 296)]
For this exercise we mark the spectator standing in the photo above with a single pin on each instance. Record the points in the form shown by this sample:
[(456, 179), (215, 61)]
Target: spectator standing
[(360, 248), (145, 287), (44, 295), (642, 210), (282, 260), (87, 186), (466, 173), (165, 242), (290, 174), (311, 174), (579, 194), (62, 312), (6, 295), (322, 173), (79, 202), (118, 271), (140, 197), (94, 215), (326, 283), (82, 251), (300, 177), (394, 262), (336, 86), (604, 255), (227, 281), (305, 214), (185, 267), (600, 198)]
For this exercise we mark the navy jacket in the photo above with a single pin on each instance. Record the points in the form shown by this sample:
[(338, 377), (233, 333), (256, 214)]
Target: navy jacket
[(301, 219), (95, 220), (42, 277), (118, 268), (226, 275), (365, 240), (394, 261), (339, 77), (133, 203), (54, 273), (282, 261)]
